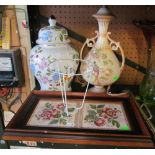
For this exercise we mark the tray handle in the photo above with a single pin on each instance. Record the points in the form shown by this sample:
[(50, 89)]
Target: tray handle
[(145, 106)]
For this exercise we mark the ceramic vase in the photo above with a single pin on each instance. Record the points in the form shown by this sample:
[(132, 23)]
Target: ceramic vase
[(53, 57), (103, 64)]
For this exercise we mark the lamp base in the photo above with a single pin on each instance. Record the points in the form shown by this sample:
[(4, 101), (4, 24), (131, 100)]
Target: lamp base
[(97, 89)]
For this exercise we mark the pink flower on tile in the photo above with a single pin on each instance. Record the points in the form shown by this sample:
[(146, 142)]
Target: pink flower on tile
[(60, 106), (113, 113), (103, 115), (54, 111), (100, 122), (47, 115)]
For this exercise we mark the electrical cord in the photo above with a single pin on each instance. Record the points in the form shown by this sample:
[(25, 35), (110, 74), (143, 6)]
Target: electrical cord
[(115, 94), (10, 94), (6, 96)]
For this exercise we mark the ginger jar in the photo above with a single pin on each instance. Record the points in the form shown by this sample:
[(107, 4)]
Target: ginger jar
[(52, 60)]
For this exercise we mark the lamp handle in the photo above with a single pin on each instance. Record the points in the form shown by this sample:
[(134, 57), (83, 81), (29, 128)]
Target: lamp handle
[(89, 42), (147, 109), (115, 46)]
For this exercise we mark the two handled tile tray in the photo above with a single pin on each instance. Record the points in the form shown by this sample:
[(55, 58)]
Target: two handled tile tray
[(103, 120)]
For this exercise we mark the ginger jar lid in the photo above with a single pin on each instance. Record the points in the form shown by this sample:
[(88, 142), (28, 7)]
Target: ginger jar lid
[(52, 34)]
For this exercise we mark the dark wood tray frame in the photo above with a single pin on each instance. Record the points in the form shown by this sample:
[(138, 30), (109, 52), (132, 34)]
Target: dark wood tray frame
[(139, 135)]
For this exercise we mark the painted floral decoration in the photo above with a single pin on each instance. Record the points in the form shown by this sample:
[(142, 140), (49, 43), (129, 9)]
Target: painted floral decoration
[(44, 36), (53, 55), (43, 64), (56, 76), (55, 114), (101, 115)]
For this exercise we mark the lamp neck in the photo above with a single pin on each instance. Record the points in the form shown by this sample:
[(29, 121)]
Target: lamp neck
[(103, 23)]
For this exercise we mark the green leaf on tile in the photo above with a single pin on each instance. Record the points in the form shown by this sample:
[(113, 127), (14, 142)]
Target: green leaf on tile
[(64, 114), (93, 106), (55, 121), (63, 121), (71, 109), (115, 123), (100, 106), (92, 112)]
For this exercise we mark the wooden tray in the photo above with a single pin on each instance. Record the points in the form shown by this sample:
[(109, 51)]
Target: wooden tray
[(103, 120)]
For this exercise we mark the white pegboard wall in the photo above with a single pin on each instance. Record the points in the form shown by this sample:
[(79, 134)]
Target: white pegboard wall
[(79, 19)]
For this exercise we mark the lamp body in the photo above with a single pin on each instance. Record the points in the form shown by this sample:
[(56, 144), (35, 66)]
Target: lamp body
[(103, 63)]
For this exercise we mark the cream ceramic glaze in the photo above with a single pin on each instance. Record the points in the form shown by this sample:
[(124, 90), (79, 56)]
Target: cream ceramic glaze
[(106, 68), (52, 56)]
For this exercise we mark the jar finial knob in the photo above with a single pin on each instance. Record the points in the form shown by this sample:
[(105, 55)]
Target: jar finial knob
[(52, 21)]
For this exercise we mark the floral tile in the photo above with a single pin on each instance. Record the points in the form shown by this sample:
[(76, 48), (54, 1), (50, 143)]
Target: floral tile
[(106, 115), (94, 115), (52, 114)]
